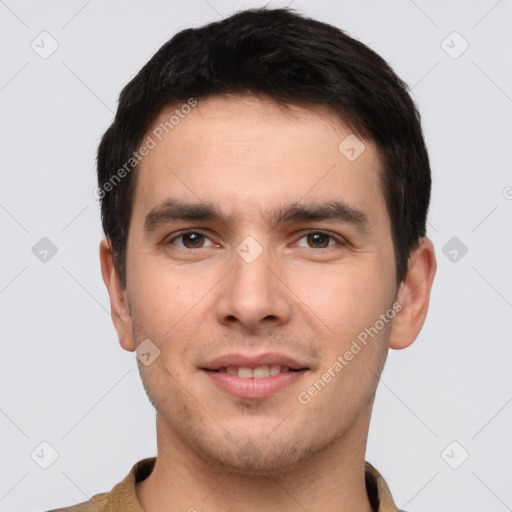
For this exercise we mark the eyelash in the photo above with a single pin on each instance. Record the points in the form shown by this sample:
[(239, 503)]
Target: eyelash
[(336, 239)]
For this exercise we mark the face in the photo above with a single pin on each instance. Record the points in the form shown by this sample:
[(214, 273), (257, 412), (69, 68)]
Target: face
[(258, 254)]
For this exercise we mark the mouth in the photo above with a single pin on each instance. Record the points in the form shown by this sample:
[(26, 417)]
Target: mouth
[(260, 372), (254, 377)]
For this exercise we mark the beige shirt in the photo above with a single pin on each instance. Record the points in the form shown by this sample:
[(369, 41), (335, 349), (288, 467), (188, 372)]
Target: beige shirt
[(122, 497)]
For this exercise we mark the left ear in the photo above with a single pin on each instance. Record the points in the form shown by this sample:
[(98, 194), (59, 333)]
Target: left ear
[(414, 296)]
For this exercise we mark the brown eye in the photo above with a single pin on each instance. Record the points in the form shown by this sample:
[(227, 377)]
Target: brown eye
[(319, 240), (190, 240)]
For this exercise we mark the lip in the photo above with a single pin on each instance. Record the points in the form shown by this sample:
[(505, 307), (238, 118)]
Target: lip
[(254, 387), (253, 361)]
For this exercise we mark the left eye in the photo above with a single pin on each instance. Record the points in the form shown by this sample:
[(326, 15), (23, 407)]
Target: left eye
[(318, 240), (190, 240)]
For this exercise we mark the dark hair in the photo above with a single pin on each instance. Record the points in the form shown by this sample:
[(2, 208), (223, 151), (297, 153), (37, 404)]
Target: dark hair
[(281, 55)]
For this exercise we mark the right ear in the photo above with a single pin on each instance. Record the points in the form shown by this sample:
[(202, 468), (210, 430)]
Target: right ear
[(119, 307)]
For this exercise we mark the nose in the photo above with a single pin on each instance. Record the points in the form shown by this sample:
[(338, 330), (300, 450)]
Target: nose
[(253, 296)]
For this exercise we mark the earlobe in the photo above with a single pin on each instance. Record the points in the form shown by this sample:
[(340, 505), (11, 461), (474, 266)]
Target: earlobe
[(119, 307), (414, 296)]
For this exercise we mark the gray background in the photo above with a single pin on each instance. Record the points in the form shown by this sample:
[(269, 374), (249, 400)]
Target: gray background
[(65, 381)]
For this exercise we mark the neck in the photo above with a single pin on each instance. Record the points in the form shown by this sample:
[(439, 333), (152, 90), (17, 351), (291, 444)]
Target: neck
[(333, 480)]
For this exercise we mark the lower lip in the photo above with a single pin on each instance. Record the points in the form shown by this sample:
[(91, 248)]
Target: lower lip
[(254, 388)]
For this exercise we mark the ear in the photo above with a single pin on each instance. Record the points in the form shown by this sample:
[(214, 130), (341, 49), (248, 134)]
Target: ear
[(119, 307), (414, 296)]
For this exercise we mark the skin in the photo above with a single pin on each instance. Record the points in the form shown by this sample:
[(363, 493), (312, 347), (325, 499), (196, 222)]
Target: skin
[(198, 301)]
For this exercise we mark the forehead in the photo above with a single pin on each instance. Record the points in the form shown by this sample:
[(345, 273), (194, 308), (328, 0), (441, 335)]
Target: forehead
[(249, 155)]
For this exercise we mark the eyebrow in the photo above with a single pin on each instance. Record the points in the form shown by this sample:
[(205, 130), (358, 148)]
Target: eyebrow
[(332, 210), (173, 210)]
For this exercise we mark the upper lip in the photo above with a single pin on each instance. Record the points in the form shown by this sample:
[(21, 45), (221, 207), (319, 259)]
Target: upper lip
[(253, 361)]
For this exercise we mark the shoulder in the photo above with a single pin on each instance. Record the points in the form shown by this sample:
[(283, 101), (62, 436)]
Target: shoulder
[(122, 496)]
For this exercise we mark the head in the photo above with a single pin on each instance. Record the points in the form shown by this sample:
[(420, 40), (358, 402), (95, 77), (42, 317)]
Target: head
[(293, 156)]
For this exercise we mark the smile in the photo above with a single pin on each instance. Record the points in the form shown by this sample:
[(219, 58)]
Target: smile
[(260, 372), (260, 382)]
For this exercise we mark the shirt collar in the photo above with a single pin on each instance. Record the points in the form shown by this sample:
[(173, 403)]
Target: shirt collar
[(123, 496)]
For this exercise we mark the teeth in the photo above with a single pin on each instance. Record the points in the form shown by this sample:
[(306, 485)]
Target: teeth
[(261, 371), (245, 372), (275, 369)]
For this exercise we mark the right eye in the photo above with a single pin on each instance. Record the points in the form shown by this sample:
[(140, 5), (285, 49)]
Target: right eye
[(190, 240)]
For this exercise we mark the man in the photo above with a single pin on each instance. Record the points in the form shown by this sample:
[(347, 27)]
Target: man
[(264, 190)]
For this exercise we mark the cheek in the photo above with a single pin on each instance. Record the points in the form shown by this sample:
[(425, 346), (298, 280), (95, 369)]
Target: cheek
[(171, 309), (165, 297), (346, 298)]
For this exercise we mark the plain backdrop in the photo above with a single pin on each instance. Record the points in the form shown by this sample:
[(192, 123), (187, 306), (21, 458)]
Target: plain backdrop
[(440, 432)]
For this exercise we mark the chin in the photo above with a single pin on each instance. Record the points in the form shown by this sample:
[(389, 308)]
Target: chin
[(263, 453), (251, 460)]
